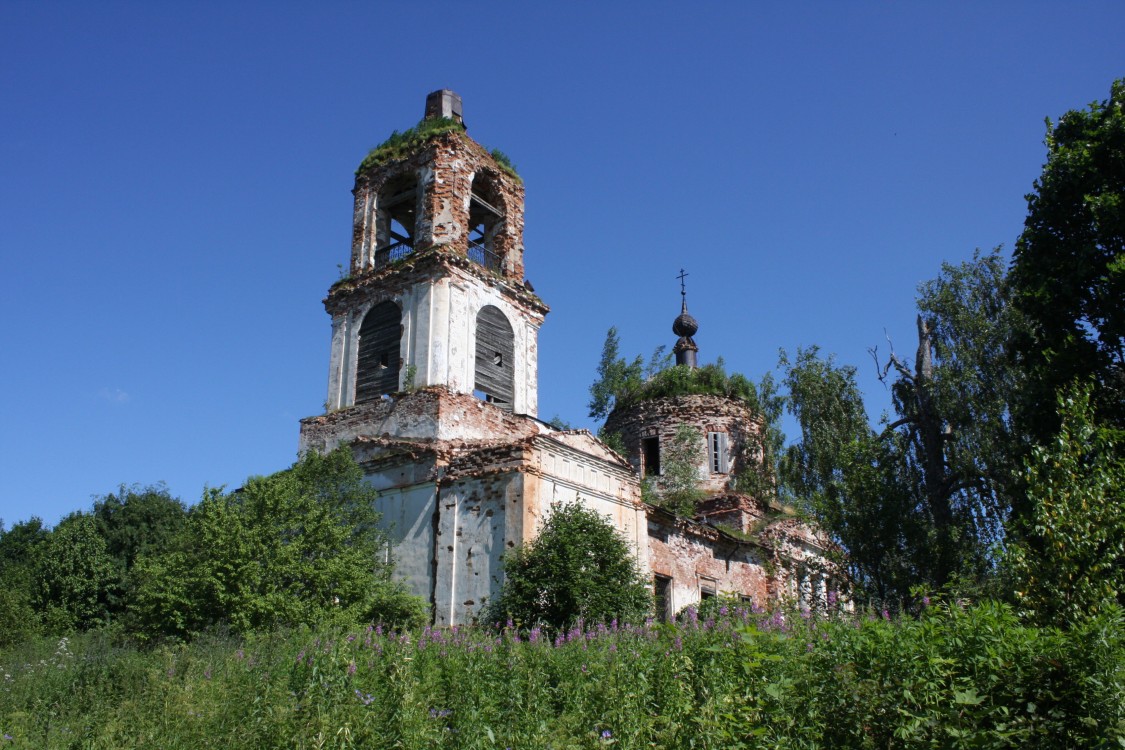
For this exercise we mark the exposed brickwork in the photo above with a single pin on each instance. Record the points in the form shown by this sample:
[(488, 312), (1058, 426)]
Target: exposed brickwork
[(446, 166), (662, 417), (696, 557), (434, 413)]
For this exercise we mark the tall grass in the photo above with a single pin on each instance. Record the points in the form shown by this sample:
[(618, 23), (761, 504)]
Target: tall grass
[(953, 677)]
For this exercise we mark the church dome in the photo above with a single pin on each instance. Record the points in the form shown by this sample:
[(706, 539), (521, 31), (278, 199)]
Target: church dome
[(685, 325)]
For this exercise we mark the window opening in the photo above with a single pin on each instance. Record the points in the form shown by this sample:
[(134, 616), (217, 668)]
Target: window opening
[(380, 338), (662, 594), (495, 374), (707, 589), (650, 448), (485, 221), (398, 203), (717, 448)]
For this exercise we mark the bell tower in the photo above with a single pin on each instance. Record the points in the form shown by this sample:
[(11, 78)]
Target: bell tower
[(435, 293)]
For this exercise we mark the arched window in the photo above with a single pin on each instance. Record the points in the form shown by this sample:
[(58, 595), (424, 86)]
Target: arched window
[(397, 206), (378, 363), (495, 361), (486, 217)]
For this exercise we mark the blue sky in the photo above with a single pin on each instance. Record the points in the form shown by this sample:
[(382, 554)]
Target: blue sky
[(175, 194)]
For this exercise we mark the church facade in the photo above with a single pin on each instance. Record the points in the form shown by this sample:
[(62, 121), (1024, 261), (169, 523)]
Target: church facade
[(433, 383)]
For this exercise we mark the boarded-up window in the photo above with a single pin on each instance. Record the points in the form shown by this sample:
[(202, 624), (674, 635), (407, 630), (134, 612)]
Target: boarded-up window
[(495, 361), (717, 448), (662, 594), (378, 365)]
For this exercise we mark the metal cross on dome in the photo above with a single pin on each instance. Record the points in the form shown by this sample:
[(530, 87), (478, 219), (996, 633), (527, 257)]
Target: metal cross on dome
[(683, 287)]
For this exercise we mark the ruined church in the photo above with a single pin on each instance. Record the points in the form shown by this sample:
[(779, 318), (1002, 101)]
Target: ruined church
[(433, 383)]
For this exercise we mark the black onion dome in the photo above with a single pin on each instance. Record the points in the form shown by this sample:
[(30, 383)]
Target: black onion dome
[(685, 325)]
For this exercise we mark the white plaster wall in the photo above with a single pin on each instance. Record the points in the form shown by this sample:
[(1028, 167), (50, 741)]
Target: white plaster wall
[(567, 476), (471, 538), (408, 520), (439, 319), (442, 323)]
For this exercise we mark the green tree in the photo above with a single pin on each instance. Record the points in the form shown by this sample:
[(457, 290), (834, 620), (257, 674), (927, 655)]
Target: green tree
[(846, 479), (678, 485), (924, 499), (74, 578), (299, 546), (1068, 270), (615, 376), (1070, 560), (138, 520), (578, 567), (134, 521), (20, 547)]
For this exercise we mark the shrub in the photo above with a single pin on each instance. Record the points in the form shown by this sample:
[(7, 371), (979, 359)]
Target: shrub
[(577, 568)]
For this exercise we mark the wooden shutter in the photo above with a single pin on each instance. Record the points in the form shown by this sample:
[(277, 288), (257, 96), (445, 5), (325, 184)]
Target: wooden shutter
[(495, 360), (379, 340)]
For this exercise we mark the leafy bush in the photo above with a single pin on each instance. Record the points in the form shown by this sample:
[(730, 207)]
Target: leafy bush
[(298, 547), (1068, 560), (577, 568)]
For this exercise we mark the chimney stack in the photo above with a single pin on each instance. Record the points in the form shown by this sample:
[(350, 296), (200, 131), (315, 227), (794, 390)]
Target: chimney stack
[(444, 103)]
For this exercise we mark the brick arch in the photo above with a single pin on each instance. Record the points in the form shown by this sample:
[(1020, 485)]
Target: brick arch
[(488, 214), (397, 211)]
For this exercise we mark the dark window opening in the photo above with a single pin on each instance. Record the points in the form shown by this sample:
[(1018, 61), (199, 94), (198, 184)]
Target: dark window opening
[(495, 375), (707, 589), (650, 449), (397, 206), (662, 594), (486, 218), (380, 337)]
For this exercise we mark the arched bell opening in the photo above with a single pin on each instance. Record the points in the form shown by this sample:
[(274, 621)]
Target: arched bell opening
[(379, 362), (495, 372), (486, 221), (396, 213)]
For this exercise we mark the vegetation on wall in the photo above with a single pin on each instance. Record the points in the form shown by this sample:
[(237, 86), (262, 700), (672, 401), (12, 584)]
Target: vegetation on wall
[(677, 488), (401, 145), (505, 164), (622, 383)]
